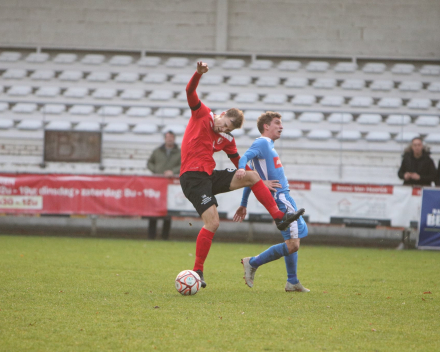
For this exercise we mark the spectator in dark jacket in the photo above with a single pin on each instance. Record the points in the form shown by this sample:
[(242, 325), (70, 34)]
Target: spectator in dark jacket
[(417, 167)]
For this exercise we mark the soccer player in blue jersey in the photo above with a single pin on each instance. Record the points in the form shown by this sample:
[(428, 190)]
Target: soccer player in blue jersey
[(265, 160)]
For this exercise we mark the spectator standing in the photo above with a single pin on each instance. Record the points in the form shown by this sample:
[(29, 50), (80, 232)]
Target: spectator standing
[(417, 167), (165, 160)]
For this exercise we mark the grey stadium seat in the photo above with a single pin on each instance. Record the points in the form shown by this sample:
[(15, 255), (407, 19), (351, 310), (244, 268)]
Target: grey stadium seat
[(127, 77), (181, 78), (110, 111), (369, 119), (410, 86), (434, 87), (211, 80), (43, 75), (99, 76), (427, 120), (332, 100), (314, 117), (319, 135), (378, 136), (304, 99), (345, 67), (53, 109), (398, 119), (361, 102), (149, 61), (353, 84), (167, 112), (155, 77), (349, 136), (59, 125), (121, 60), (19, 90), (275, 98), (48, 91), (317, 66), (430, 70), (65, 58), (433, 138), (252, 115), (93, 59), (116, 127), (177, 129), (177, 62), (384, 85), (246, 98), (138, 112), (76, 92), (30, 125), (267, 81), (145, 128), (88, 126), (261, 65), (133, 94), (162, 95), (390, 102), (296, 82), (37, 58), (289, 65), (233, 64), (402, 69), (81, 110), (104, 93), (291, 133), (6, 124), (239, 80), (405, 137), (343, 118), (324, 83), (10, 56), (218, 97), (14, 73), (419, 103), (374, 67), (70, 75), (24, 108)]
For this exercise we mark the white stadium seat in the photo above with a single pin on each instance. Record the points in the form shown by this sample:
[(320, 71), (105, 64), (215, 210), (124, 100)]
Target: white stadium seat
[(434, 87), (341, 118), (155, 77), (250, 97), (65, 58), (81, 109), (145, 128), (296, 82), (149, 61), (59, 125), (43, 75), (405, 137), (275, 98), (314, 117), (289, 65), (378, 136), (349, 136), (93, 59), (332, 100), (291, 133), (161, 95), (218, 97), (3, 107), (133, 94), (20, 91), (267, 81), (48, 91), (240, 80), (10, 56), (167, 112), (127, 77), (233, 64), (121, 60), (138, 112), (104, 93), (419, 103), (99, 76), (304, 99), (211, 80), (53, 109), (433, 138), (430, 70), (70, 75), (24, 108), (324, 83), (177, 129), (6, 124), (254, 133), (402, 69), (110, 111), (261, 65), (37, 58), (317, 66), (390, 102), (177, 62), (353, 84), (374, 67), (369, 119), (319, 135), (287, 115), (238, 132), (345, 67), (427, 120), (181, 78), (187, 113), (76, 92), (88, 126), (252, 115), (116, 127), (383, 85), (410, 86), (30, 125), (399, 120), (14, 73), (361, 102), (182, 96)]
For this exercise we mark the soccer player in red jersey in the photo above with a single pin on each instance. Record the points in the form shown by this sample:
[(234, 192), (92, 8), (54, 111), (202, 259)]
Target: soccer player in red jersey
[(205, 134)]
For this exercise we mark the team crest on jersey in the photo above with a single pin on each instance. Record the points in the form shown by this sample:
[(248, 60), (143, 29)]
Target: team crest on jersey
[(219, 140), (277, 162)]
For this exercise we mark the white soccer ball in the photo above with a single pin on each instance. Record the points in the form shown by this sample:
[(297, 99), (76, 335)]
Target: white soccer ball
[(188, 282)]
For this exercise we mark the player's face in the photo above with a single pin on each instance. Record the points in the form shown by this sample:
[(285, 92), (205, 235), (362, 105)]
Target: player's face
[(274, 129), (222, 123)]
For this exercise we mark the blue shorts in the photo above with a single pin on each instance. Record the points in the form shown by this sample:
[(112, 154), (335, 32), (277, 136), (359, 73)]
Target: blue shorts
[(297, 229)]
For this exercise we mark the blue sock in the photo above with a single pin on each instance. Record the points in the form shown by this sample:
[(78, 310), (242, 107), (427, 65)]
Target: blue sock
[(291, 265), (272, 253)]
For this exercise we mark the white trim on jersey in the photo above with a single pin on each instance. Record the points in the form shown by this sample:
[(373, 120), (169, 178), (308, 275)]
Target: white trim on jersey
[(293, 227)]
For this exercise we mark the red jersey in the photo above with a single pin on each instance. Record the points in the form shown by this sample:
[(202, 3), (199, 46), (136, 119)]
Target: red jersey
[(200, 142)]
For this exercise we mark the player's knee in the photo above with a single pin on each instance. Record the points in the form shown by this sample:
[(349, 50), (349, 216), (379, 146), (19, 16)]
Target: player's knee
[(213, 224), (292, 246), (253, 177)]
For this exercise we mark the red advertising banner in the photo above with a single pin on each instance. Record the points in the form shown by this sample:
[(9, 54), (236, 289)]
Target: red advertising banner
[(300, 185), (354, 188), (77, 194)]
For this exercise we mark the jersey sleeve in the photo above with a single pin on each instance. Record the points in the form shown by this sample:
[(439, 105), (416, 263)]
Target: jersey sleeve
[(254, 151), (245, 197), (231, 149)]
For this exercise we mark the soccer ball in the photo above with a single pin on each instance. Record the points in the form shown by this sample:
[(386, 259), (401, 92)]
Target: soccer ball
[(188, 282)]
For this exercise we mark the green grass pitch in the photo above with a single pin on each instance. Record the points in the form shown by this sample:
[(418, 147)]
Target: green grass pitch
[(76, 294)]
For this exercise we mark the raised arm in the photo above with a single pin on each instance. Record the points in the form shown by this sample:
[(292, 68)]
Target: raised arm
[(191, 94)]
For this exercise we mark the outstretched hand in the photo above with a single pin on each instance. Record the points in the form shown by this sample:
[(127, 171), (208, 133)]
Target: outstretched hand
[(202, 67), (272, 184), (240, 214)]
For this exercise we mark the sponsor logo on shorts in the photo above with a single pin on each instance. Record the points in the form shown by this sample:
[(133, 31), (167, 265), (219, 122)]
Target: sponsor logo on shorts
[(277, 162), (230, 170), (205, 199)]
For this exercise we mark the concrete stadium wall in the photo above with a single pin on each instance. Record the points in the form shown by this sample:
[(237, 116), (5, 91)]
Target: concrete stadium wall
[(374, 28)]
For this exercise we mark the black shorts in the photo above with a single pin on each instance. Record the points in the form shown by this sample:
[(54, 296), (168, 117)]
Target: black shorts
[(200, 188)]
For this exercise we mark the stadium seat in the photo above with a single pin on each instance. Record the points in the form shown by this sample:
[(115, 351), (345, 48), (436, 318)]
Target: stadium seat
[(427, 120), (353, 84), (138, 112), (304, 99), (345, 67), (177, 129), (10, 56), (19, 91), (145, 128), (332, 100), (378, 136), (369, 119), (238, 132), (149, 61), (211, 80), (14, 73), (410, 86), (3, 107), (287, 115), (314, 117), (419, 103), (30, 125), (233, 64), (1, 89), (252, 115), (319, 135), (317, 66), (433, 138), (98, 76), (208, 60), (6, 124), (402, 69), (405, 137), (324, 83), (167, 112), (296, 82), (37, 58), (289, 65), (438, 105), (349, 136), (434, 87), (291, 133), (127, 77), (390, 103), (399, 120), (275, 98), (254, 133), (187, 113), (104, 93), (182, 96), (218, 97), (121, 60), (53, 109), (48, 91), (181, 78), (239, 80), (155, 77), (43, 75), (161, 95), (81, 109), (361, 102), (430, 70), (65, 58), (261, 65), (383, 85), (374, 67), (246, 98), (340, 118), (133, 94), (177, 62), (70, 75), (24, 108), (110, 110), (93, 59), (88, 126), (76, 92), (59, 125), (116, 127)]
